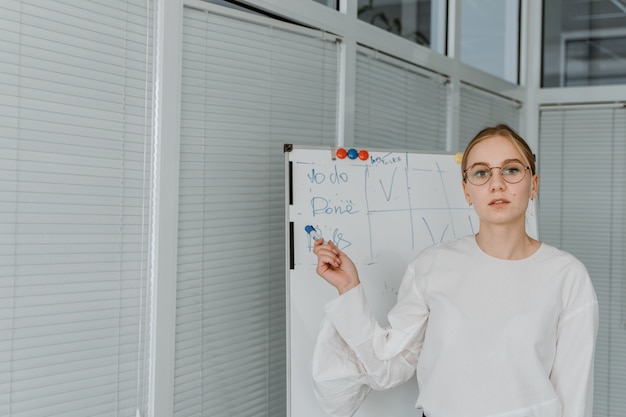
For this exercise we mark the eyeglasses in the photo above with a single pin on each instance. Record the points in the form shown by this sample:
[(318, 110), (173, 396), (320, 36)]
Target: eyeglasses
[(512, 172)]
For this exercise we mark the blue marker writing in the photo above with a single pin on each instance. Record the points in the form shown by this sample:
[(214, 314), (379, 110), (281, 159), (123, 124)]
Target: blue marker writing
[(312, 232)]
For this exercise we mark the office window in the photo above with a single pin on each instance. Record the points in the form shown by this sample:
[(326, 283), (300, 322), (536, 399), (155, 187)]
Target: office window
[(479, 109), (398, 105), (75, 155), (420, 21), (490, 37), (248, 87), (584, 43), (582, 209)]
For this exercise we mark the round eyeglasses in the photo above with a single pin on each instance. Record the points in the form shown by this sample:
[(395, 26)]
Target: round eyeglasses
[(512, 173)]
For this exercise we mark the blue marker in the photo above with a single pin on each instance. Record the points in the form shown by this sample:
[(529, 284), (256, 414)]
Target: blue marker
[(312, 232)]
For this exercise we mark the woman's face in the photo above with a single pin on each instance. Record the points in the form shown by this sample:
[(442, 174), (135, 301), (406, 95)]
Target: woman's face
[(499, 202)]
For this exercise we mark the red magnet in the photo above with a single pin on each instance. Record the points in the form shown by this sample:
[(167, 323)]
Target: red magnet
[(341, 153), (363, 155)]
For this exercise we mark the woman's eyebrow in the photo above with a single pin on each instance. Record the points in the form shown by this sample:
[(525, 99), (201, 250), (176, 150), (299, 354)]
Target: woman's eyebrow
[(477, 163), (506, 161)]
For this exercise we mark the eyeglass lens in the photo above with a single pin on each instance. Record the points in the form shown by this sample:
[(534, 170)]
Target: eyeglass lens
[(512, 173)]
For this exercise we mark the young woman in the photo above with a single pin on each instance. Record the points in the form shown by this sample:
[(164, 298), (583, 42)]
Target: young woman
[(495, 325)]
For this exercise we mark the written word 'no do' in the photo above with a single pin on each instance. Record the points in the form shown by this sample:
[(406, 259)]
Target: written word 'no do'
[(334, 176)]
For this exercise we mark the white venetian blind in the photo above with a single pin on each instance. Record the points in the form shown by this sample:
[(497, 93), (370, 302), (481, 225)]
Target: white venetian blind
[(398, 105), (74, 204), (249, 85), (479, 109), (582, 209)]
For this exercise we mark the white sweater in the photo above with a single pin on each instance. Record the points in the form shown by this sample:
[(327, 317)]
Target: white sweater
[(488, 337)]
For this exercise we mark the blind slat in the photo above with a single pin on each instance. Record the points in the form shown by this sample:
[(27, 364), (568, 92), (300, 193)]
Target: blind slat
[(248, 88), (479, 109), (74, 197), (398, 106), (582, 204)]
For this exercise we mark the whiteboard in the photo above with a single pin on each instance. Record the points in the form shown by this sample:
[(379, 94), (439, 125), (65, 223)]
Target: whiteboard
[(382, 211)]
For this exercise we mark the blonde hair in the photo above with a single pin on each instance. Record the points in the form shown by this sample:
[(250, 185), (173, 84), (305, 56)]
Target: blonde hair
[(506, 132)]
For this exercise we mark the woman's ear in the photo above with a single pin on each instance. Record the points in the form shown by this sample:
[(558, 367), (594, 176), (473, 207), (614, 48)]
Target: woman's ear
[(534, 186), (466, 193)]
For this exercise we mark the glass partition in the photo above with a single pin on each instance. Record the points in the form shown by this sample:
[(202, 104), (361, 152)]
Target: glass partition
[(420, 21), (490, 37), (584, 43)]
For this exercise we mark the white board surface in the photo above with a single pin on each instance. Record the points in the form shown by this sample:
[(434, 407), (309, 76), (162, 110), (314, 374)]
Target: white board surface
[(382, 212)]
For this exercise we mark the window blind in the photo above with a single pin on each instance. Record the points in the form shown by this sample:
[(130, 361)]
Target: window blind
[(74, 164), (479, 109), (249, 85), (398, 105), (582, 209)]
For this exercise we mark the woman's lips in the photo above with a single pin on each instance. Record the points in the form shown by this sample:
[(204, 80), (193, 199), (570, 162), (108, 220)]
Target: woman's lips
[(498, 202)]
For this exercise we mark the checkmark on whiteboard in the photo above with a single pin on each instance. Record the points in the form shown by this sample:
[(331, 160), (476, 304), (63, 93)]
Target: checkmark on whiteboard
[(388, 195)]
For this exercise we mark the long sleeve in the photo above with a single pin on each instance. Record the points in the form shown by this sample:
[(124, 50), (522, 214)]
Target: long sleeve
[(340, 381), (493, 337), (572, 372), (355, 354)]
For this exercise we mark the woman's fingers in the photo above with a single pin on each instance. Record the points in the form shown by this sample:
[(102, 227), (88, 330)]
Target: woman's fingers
[(328, 258), (335, 266), (317, 245)]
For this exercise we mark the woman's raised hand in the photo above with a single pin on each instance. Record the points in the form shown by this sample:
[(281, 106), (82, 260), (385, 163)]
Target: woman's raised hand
[(335, 266)]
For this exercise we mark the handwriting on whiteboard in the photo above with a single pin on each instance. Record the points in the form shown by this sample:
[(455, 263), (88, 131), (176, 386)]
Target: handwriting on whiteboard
[(392, 200)]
